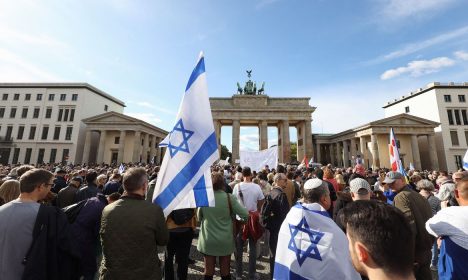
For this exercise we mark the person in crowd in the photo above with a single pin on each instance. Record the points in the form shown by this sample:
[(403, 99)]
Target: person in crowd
[(23, 169), (426, 189), (250, 196), (359, 190), (66, 196), (380, 240), (297, 186), (131, 230), (90, 190), (289, 190), (310, 245), (274, 211), (216, 238), (237, 179), (340, 180), (113, 185), (60, 182), (329, 177), (113, 197), (450, 225), (9, 190), (319, 174), (101, 181), (35, 239), (417, 210), (458, 176)]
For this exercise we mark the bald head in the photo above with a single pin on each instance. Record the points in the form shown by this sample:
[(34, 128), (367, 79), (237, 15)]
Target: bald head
[(461, 192)]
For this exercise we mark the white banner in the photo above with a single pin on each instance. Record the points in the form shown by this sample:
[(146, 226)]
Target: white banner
[(256, 160)]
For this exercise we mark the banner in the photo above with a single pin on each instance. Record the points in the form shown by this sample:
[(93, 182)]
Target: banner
[(257, 160)]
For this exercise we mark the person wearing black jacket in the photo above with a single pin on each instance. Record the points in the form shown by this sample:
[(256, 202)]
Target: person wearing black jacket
[(91, 190), (59, 182)]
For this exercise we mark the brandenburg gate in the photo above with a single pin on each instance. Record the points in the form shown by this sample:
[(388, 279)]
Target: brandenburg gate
[(250, 107)]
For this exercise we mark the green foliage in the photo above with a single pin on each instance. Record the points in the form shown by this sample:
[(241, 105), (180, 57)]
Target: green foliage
[(294, 152), (225, 153)]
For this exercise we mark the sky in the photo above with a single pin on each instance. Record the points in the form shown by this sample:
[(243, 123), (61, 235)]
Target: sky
[(349, 57)]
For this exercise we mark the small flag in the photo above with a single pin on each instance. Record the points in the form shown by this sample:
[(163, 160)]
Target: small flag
[(304, 162), (184, 180), (395, 161), (411, 166), (465, 161), (121, 168)]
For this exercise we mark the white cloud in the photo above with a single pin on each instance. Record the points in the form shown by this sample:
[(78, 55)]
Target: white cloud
[(462, 55), (11, 35), (147, 117), (248, 142), (398, 9), (150, 105), (419, 67), (418, 46)]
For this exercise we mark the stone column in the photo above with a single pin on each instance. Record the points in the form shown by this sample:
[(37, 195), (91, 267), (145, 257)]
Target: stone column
[(318, 154), (101, 148), (362, 147), (120, 155), (136, 147), (345, 154), (87, 147), (353, 149), (432, 152), (309, 150), (153, 149), (375, 152), (217, 129), (337, 154), (300, 141), (144, 157), (415, 150), (263, 131), (285, 141), (235, 140), (159, 151)]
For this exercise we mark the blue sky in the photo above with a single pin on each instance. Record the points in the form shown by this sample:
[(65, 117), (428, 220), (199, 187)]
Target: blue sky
[(349, 57)]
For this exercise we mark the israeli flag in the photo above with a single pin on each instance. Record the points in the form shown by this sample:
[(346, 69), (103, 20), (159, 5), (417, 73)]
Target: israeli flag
[(184, 180), (121, 168), (312, 246)]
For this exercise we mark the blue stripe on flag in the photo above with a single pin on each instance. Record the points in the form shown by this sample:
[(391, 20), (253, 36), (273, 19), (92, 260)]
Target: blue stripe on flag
[(199, 69), (201, 198), (323, 213), (283, 272), (186, 174)]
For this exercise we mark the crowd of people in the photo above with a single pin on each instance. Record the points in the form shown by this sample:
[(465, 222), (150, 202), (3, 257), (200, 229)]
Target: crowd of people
[(85, 222)]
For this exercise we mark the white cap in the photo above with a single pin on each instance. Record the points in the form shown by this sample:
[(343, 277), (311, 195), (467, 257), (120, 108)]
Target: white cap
[(314, 183)]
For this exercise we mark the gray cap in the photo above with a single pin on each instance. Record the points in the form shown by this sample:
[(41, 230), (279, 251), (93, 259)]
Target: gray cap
[(314, 183), (391, 176), (358, 184)]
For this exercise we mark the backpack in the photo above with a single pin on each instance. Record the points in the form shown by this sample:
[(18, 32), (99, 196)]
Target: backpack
[(181, 216), (266, 212), (73, 210)]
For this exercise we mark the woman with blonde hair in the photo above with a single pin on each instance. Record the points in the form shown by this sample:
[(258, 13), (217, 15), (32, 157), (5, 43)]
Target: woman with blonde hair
[(340, 180), (9, 190)]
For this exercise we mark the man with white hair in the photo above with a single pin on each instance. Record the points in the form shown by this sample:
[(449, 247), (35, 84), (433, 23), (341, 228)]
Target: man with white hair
[(310, 245)]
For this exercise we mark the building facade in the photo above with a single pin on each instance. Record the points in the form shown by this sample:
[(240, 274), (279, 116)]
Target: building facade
[(445, 104)]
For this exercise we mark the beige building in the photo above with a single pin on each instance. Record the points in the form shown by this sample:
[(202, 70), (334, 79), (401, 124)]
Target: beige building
[(43, 122), (415, 140)]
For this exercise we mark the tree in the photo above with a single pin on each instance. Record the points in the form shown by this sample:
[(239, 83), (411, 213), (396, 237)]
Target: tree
[(294, 152), (225, 152)]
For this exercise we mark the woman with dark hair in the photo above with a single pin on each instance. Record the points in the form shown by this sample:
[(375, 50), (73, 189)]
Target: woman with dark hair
[(216, 237)]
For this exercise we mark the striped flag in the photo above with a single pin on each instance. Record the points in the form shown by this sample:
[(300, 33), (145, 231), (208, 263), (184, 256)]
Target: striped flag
[(465, 161), (395, 161)]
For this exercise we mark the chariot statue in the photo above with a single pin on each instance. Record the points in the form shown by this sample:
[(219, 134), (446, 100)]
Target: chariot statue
[(250, 87)]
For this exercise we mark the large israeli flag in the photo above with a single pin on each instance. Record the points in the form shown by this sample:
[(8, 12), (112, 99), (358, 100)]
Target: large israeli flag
[(312, 246), (184, 179)]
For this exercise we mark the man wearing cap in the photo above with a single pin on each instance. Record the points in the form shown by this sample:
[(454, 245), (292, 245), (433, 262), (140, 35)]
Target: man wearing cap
[(59, 182), (66, 196), (417, 210), (310, 245), (359, 190)]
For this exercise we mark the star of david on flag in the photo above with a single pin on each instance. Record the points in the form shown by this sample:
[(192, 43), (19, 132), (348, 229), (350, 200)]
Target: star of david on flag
[(314, 236), (184, 180)]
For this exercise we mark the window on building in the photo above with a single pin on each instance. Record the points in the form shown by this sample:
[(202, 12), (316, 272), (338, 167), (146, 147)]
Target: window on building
[(59, 118), (16, 96), (53, 155), (9, 131), (461, 98), (407, 109), (116, 140), (65, 154), (106, 108), (45, 132), (2, 112), (39, 97), (74, 97), (65, 116), (454, 137), (16, 152), (36, 113), (20, 132), (27, 156), (447, 98), (68, 133), (24, 113), (27, 96), (63, 97), (51, 97), (465, 120), (450, 117), (459, 161), (5, 96), (72, 115), (32, 133), (40, 155), (13, 112), (48, 113), (457, 116), (57, 133)]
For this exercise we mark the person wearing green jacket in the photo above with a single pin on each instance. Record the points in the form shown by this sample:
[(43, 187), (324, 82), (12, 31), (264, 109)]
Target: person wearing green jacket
[(216, 237)]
